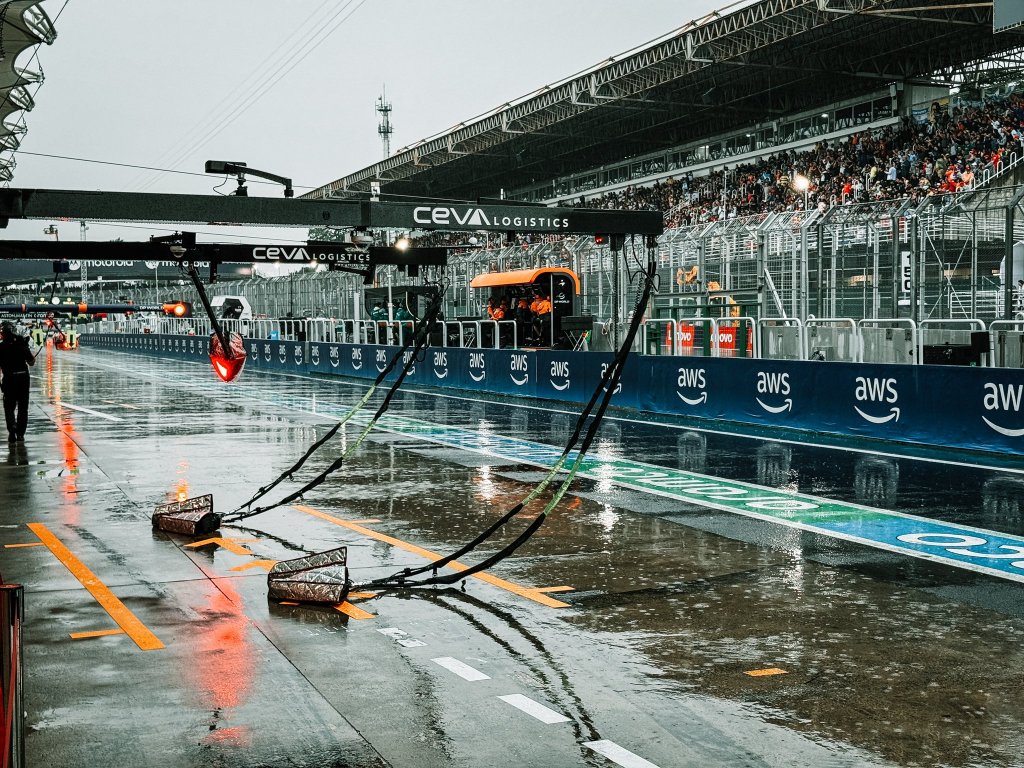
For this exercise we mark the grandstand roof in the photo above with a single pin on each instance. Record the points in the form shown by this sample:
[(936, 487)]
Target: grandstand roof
[(23, 24), (750, 62)]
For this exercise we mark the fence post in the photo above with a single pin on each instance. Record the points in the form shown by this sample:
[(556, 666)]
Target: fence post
[(13, 725)]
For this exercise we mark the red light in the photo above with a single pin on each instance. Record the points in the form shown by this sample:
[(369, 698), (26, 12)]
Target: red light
[(227, 367), (600, 239), (179, 310)]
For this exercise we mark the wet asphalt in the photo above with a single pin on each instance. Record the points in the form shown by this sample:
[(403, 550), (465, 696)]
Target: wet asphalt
[(863, 657)]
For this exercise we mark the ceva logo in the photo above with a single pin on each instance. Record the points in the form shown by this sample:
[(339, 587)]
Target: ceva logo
[(476, 363), (873, 390), (559, 376), (774, 384), (472, 217), (441, 365), (692, 378), (519, 364), (382, 360), (335, 357), (1002, 399)]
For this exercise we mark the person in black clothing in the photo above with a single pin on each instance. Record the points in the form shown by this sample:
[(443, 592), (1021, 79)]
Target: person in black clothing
[(15, 358)]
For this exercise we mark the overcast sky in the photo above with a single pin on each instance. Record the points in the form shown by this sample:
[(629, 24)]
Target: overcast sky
[(290, 87)]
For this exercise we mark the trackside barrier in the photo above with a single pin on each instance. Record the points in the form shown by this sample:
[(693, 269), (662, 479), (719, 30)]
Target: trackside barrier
[(695, 335), (12, 709), (898, 404), (782, 338), (736, 337), (833, 338), (891, 340), (1006, 338), (659, 336), (949, 332)]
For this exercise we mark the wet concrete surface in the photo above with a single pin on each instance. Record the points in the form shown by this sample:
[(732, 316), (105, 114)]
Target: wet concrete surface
[(881, 659)]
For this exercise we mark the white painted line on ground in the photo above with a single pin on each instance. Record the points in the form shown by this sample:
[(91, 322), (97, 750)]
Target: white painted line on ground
[(88, 410), (618, 755), (464, 671), (532, 708)]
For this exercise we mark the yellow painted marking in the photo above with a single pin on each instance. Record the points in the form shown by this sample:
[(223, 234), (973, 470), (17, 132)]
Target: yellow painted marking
[(766, 672), (30, 544), (124, 618), (96, 633), (224, 542), (530, 593), (353, 612), (264, 564)]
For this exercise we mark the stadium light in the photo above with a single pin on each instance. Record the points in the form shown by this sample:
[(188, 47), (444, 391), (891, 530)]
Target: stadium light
[(802, 184)]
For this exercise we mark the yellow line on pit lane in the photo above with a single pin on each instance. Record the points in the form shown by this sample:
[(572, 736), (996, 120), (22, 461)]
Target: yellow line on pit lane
[(124, 618), (537, 594)]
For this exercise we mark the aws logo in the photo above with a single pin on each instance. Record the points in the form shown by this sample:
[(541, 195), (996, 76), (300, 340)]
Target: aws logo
[(406, 357), (282, 353), (476, 363), (441, 365), (382, 360), (519, 364), (268, 353), (774, 384), (559, 375), (334, 356), (604, 370), (314, 354), (298, 355), (872, 390), (692, 379), (1003, 398), (254, 350)]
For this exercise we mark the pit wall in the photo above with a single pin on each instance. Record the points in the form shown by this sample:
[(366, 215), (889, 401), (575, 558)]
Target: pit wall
[(913, 406)]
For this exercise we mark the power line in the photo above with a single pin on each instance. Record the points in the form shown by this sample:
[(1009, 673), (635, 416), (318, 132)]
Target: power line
[(247, 101), (146, 167)]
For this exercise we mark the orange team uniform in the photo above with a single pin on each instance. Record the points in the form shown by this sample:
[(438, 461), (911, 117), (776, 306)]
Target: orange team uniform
[(535, 304), (498, 314), (543, 307)]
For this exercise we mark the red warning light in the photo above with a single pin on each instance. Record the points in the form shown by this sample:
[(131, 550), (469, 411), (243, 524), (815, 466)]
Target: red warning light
[(178, 309), (227, 365)]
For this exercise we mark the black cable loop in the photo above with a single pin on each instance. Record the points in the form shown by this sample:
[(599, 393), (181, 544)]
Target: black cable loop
[(420, 337), (604, 390)]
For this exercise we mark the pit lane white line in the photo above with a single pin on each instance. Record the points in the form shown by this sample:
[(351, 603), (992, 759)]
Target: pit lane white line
[(62, 404), (618, 755), (534, 709), (464, 671)]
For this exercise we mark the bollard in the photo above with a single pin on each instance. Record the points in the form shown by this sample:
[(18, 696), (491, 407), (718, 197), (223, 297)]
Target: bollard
[(12, 711)]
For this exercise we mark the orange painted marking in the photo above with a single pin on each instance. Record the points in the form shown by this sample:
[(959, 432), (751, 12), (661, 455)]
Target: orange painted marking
[(353, 612), (287, 602), (124, 618), (367, 521), (766, 672), (30, 544), (266, 565), (96, 633), (555, 589), (530, 593), (364, 595), (225, 543)]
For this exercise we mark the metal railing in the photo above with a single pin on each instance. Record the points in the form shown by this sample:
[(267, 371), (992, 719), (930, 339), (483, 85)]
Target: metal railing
[(844, 339), (12, 708)]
